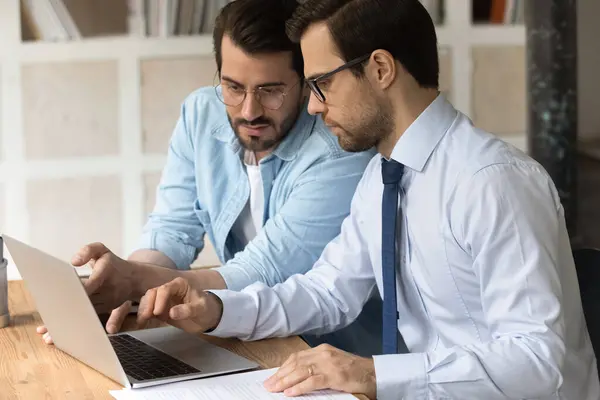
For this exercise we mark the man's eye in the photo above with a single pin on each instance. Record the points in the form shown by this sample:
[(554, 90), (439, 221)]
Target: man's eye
[(270, 91), (234, 88), (324, 84)]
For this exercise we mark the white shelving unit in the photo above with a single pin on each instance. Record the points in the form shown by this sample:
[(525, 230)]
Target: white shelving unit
[(114, 48), (457, 35)]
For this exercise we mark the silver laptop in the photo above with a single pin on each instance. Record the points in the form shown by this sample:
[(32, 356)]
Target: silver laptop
[(134, 359)]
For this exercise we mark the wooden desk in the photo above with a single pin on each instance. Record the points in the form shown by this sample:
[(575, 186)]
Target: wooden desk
[(29, 369)]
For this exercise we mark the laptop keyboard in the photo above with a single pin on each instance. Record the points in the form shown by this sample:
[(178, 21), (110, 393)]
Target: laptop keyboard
[(143, 362)]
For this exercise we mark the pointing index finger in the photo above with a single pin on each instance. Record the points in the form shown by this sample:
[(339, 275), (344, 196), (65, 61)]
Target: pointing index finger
[(169, 294)]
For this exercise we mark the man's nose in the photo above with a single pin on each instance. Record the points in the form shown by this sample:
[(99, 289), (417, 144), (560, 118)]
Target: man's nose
[(315, 106), (251, 108)]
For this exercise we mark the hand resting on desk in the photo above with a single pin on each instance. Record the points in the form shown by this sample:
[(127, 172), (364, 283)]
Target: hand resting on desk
[(180, 304)]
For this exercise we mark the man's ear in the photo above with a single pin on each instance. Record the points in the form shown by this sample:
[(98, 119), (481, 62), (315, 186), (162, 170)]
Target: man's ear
[(382, 69)]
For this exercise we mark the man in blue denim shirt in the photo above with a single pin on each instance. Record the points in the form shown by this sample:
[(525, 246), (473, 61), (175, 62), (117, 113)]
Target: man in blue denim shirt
[(247, 167)]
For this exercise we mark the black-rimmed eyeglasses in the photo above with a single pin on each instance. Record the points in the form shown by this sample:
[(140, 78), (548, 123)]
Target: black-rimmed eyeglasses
[(313, 84)]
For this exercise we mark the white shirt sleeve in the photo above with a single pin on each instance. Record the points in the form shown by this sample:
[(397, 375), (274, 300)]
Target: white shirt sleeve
[(509, 219), (327, 298)]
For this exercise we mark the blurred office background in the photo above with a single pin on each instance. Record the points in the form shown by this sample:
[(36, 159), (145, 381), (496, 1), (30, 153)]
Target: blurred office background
[(90, 91)]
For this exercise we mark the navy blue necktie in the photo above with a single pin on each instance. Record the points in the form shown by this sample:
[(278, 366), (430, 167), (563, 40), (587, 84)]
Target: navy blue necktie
[(391, 172)]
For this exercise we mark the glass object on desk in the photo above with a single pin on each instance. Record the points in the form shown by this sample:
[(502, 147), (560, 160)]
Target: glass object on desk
[(4, 316)]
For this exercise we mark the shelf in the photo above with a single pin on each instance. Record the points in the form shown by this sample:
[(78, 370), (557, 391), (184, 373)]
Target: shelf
[(115, 47), (478, 35), (502, 35), (112, 47)]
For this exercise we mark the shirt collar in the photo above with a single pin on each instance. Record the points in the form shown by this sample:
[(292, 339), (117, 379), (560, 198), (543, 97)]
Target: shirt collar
[(249, 158), (418, 142), (287, 149)]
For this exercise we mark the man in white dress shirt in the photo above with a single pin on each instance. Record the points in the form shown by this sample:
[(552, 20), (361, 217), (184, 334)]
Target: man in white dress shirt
[(474, 256)]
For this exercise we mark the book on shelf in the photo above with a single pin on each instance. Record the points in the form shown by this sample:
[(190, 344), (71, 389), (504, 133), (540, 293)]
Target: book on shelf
[(507, 12), (136, 17), (49, 20), (180, 17), (186, 15), (62, 20), (197, 19), (514, 12), (66, 22)]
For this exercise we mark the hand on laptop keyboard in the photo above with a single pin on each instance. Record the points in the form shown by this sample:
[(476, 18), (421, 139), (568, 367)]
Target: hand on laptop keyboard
[(111, 282), (104, 320), (179, 304), (111, 285)]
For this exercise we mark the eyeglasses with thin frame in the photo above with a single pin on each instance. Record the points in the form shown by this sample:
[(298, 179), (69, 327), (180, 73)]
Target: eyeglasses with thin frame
[(313, 84), (270, 97)]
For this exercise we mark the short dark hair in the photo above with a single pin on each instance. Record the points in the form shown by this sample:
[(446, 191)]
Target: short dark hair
[(358, 27), (257, 26)]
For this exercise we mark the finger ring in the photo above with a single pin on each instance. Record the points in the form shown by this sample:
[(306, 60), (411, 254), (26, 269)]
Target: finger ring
[(310, 370)]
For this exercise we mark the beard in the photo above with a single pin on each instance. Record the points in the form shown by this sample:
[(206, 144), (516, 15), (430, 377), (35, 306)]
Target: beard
[(376, 123), (259, 144)]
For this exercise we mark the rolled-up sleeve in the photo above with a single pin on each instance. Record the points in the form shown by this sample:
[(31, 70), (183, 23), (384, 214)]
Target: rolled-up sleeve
[(173, 227)]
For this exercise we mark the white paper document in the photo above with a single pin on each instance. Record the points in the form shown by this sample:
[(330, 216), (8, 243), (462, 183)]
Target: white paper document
[(243, 386)]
